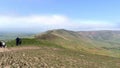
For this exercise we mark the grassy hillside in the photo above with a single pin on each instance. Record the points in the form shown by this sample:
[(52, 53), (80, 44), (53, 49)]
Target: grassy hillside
[(64, 49), (95, 42), (31, 42), (112, 38)]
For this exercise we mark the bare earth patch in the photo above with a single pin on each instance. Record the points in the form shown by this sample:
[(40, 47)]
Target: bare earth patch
[(4, 49), (51, 57), (18, 48)]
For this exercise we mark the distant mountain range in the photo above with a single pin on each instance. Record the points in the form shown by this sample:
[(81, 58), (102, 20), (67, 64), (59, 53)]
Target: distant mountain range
[(95, 42)]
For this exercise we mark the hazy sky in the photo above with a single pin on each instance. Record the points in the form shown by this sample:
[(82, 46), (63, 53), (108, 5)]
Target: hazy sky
[(40, 15)]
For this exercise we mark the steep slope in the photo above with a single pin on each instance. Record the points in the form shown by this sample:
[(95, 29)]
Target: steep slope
[(108, 40), (110, 37), (95, 42)]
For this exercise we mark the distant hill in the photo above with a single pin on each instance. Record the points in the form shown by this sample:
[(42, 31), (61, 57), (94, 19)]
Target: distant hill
[(95, 42), (10, 36)]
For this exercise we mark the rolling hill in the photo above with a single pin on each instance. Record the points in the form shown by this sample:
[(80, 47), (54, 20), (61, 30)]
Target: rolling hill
[(65, 49), (95, 42)]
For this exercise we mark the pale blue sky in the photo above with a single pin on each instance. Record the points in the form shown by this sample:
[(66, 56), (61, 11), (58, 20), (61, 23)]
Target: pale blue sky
[(23, 15)]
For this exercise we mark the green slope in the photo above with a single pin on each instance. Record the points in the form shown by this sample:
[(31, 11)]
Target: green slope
[(94, 42)]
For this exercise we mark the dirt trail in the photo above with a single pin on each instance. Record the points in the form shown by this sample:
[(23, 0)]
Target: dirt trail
[(18, 48)]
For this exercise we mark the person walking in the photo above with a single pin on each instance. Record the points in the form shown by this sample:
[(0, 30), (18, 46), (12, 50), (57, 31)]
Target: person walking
[(18, 41)]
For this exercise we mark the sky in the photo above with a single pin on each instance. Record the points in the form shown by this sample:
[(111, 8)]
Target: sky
[(42, 15)]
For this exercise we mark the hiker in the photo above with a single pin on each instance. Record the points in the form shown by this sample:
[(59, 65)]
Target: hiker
[(18, 41), (2, 44)]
